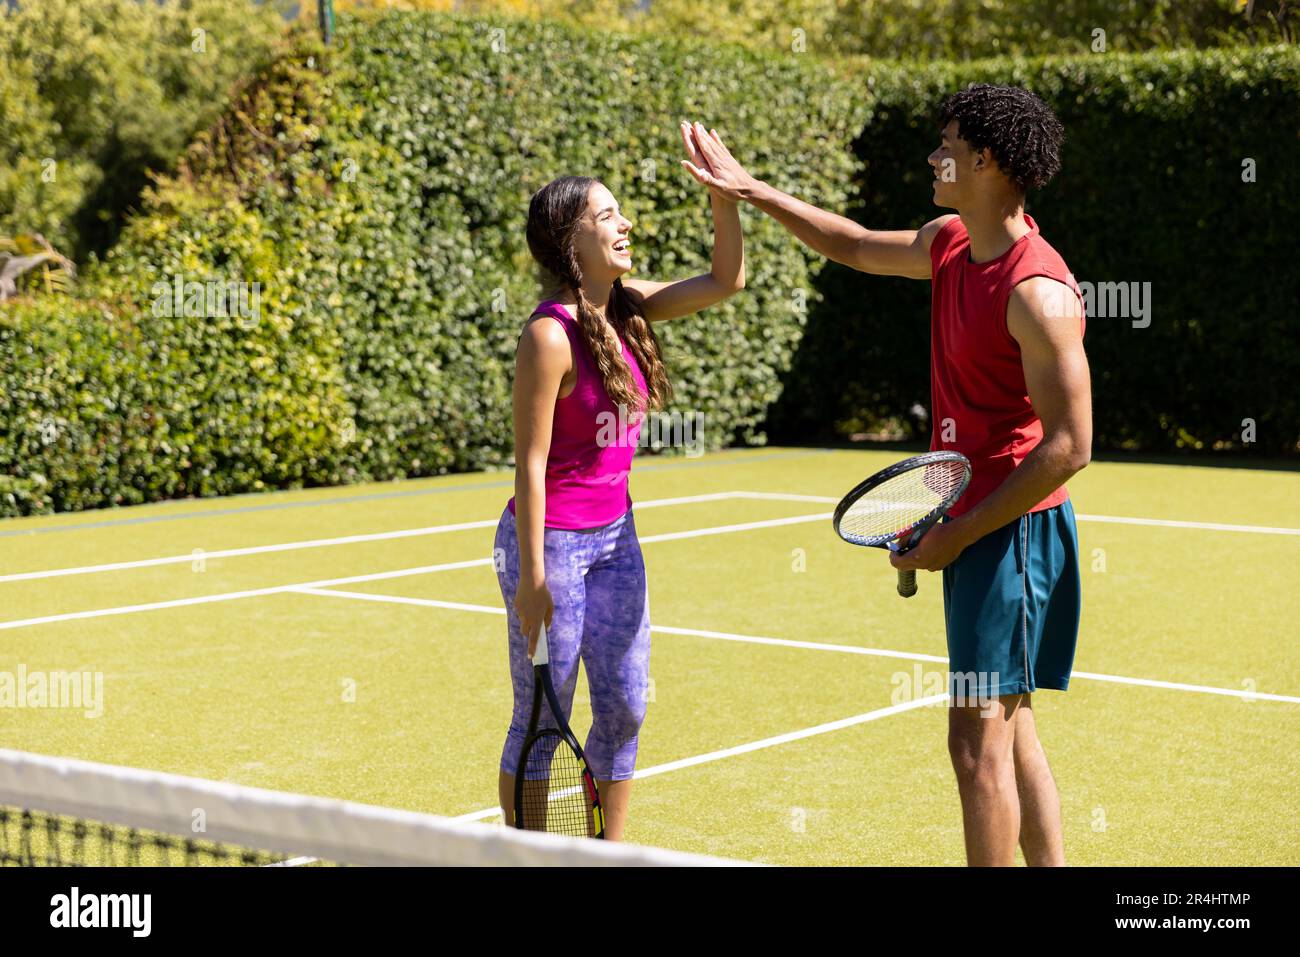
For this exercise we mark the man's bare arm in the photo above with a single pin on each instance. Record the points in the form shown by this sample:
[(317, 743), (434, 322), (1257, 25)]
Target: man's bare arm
[(882, 252), (901, 252)]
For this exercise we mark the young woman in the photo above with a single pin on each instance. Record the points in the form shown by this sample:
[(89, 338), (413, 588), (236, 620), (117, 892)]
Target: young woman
[(588, 360)]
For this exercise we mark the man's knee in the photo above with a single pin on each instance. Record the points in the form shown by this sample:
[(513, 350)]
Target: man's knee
[(981, 747)]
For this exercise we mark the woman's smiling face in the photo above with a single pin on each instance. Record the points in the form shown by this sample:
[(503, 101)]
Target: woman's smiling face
[(601, 239)]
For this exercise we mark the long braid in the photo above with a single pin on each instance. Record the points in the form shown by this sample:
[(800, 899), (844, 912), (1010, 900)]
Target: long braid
[(614, 371), (629, 321)]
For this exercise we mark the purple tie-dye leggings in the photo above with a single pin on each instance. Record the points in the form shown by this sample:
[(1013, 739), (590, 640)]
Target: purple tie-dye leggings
[(602, 613)]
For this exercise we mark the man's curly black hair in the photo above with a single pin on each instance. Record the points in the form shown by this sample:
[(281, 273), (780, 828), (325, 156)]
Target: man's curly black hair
[(1017, 127)]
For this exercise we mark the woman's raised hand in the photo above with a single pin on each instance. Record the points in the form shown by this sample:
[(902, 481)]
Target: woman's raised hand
[(712, 164)]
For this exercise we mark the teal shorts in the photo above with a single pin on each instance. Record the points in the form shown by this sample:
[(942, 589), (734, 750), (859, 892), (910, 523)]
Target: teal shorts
[(1011, 602)]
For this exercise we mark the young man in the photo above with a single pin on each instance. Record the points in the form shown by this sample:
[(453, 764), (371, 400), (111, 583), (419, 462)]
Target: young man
[(1009, 390)]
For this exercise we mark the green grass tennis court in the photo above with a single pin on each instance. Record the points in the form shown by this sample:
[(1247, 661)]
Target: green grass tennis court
[(350, 643)]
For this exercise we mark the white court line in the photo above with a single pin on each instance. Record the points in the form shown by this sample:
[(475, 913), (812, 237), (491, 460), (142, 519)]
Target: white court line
[(318, 543), (785, 497), (200, 555), (813, 646), (401, 600), (1180, 686), (1205, 526), (662, 629), (652, 503), (377, 576), (752, 746), (685, 500), (743, 527), (251, 593), (1113, 519), (807, 645), (694, 533)]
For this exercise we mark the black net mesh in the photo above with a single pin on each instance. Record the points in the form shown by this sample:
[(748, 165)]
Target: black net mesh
[(554, 795)]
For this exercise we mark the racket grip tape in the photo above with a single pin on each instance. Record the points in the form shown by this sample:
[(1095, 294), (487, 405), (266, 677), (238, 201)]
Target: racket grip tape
[(907, 583), (542, 656)]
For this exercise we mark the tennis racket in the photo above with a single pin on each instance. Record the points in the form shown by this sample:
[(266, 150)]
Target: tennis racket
[(554, 789), (898, 505)]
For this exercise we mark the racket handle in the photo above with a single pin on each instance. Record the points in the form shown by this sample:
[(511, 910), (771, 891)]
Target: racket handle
[(907, 583), (541, 656)]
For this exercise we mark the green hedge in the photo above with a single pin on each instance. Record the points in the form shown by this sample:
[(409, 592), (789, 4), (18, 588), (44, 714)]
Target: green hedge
[(460, 121), (76, 429), (920, 29), (378, 193), (1151, 191), (97, 94)]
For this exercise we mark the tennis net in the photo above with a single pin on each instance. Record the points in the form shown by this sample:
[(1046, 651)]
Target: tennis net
[(66, 812)]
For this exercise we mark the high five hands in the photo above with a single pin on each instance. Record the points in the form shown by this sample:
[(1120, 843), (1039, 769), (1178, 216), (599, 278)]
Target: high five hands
[(712, 164)]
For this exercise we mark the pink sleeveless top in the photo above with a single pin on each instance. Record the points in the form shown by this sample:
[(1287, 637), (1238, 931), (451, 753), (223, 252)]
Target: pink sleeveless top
[(592, 442)]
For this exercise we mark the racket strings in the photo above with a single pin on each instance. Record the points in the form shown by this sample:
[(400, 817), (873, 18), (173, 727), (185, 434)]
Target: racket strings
[(899, 503), (555, 797)]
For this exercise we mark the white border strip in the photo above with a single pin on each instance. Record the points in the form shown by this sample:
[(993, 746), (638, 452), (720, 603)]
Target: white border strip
[(323, 828)]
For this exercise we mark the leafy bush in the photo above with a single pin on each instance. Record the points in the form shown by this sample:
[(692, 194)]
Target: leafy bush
[(377, 193), (97, 94), (916, 29)]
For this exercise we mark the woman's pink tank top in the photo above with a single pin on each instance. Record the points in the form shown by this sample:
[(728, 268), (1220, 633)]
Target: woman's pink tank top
[(592, 441)]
